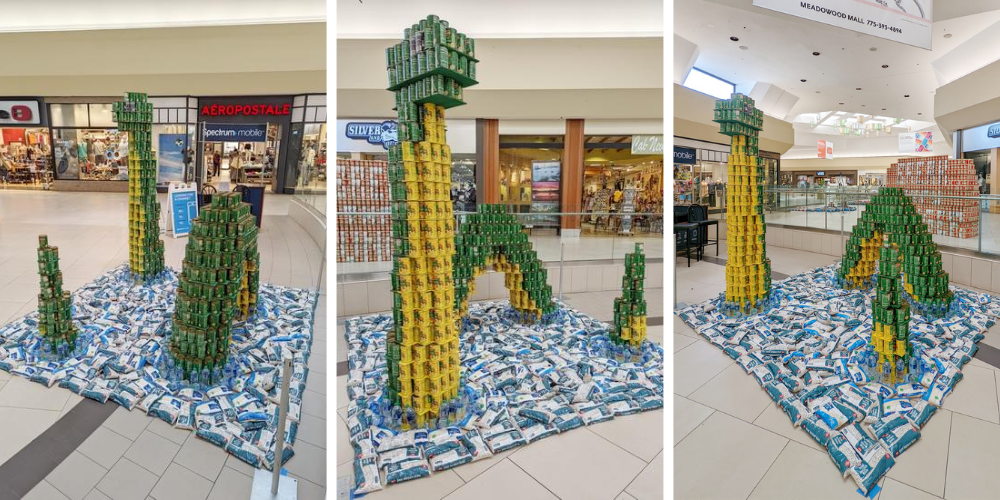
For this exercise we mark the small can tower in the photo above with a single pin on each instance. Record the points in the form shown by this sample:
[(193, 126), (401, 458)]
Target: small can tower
[(630, 309), (55, 320)]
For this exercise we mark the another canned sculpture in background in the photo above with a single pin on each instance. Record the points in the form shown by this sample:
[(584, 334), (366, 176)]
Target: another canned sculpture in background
[(145, 248), (55, 318), (630, 308)]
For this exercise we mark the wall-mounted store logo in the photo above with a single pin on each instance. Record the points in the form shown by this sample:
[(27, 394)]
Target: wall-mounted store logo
[(19, 112), (385, 133), (994, 131), (233, 132), (246, 110), (647, 144), (684, 155)]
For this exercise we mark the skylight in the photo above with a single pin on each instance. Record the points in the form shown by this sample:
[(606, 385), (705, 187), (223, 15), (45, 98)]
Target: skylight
[(705, 83)]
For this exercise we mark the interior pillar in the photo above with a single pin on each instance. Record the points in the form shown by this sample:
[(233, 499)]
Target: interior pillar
[(487, 160), (994, 179), (572, 177)]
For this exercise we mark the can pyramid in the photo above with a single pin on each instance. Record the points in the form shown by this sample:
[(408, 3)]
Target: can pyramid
[(748, 270), (55, 321), (134, 115), (891, 213), (891, 317), (218, 283), (630, 308)]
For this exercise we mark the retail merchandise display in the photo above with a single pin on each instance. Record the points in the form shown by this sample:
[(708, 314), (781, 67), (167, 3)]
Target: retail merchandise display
[(748, 270), (523, 383), (134, 115), (927, 179), (218, 284), (55, 314), (630, 308), (891, 213), (363, 187), (812, 354)]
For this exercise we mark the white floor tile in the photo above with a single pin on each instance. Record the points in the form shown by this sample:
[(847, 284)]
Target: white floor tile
[(923, 465), (165, 430), (307, 490), (975, 395), (502, 481), (734, 392), (153, 452), (231, 485), (799, 470), (972, 459), (105, 447), (682, 341), (127, 423), (19, 426), (180, 483), (688, 415), (438, 485), (202, 457), (895, 490), (44, 491), (776, 421), (308, 462), (640, 435), (739, 454), (588, 467), (76, 476), (697, 364), (21, 393), (648, 485), (469, 471), (127, 481)]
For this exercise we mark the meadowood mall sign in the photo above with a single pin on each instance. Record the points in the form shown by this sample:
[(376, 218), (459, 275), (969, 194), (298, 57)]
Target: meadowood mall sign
[(906, 22)]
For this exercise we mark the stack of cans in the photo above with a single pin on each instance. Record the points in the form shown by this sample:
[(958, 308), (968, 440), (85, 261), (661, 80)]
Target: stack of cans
[(891, 318), (218, 283), (891, 213), (630, 308), (134, 115), (433, 64), (748, 270), (423, 348), (492, 238), (927, 179), (362, 186), (55, 320)]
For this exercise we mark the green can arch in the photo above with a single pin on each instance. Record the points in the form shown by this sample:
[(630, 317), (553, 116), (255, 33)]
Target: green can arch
[(892, 216)]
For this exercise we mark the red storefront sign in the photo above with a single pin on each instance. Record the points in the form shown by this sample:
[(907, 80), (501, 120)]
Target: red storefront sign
[(246, 110)]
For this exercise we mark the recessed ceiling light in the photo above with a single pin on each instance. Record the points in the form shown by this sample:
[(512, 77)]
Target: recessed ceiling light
[(883, 109), (841, 104), (733, 38), (873, 49), (857, 88), (907, 95), (815, 53), (803, 80), (862, 105), (947, 35), (744, 47), (817, 91), (885, 66), (919, 113)]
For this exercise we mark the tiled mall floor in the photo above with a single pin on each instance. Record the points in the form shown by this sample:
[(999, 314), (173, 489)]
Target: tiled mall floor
[(132, 456), (617, 460), (732, 442)]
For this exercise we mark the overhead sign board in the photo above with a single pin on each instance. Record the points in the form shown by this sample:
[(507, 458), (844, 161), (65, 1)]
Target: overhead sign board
[(234, 132), (246, 109), (906, 22), (647, 144), (916, 142), (824, 149), (19, 113)]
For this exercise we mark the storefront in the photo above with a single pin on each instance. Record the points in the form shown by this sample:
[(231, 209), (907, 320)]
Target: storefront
[(619, 178), (700, 172), (980, 144), (86, 143), (244, 140), (307, 172), (25, 144)]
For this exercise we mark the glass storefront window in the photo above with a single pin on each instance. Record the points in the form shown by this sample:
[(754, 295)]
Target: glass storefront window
[(615, 180), (312, 159), (463, 182), (91, 154), (69, 115), (531, 176), (25, 156)]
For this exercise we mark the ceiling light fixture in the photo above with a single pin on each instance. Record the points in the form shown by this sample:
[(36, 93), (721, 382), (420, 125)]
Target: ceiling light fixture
[(857, 88), (885, 66), (815, 53), (803, 80), (873, 49), (733, 38), (947, 35), (744, 47), (919, 114), (907, 95), (841, 104)]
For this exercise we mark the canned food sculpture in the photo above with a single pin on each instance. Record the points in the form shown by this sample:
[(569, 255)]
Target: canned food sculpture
[(55, 320), (427, 71), (218, 283), (891, 213), (748, 270), (145, 248), (630, 308), (891, 320), (929, 178)]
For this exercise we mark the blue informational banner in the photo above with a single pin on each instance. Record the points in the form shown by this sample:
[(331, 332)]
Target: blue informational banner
[(183, 209), (234, 132), (170, 158)]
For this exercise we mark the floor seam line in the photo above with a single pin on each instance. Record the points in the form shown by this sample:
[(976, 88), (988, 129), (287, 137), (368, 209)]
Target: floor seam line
[(947, 458), (769, 467), (616, 445), (533, 478), (639, 474)]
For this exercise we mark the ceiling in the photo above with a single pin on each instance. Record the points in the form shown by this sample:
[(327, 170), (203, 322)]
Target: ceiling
[(73, 15), (507, 19), (779, 51)]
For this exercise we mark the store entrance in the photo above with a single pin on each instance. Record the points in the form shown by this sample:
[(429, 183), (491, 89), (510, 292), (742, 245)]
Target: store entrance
[(228, 164)]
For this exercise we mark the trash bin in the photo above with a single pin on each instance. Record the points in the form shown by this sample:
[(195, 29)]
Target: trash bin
[(253, 195)]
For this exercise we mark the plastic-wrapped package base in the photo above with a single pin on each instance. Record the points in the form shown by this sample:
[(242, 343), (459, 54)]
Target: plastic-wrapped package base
[(810, 353), (520, 384), (121, 355)]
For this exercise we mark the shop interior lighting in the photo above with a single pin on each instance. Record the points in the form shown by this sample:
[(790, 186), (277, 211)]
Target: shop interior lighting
[(705, 83)]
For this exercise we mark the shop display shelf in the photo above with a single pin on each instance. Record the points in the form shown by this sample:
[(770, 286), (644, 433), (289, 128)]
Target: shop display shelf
[(463, 80)]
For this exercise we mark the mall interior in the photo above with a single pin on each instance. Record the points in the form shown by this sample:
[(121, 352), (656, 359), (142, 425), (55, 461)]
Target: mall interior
[(568, 155), (87, 165), (875, 160)]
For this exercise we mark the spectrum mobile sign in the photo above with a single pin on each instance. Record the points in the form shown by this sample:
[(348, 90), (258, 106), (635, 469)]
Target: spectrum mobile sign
[(233, 132)]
